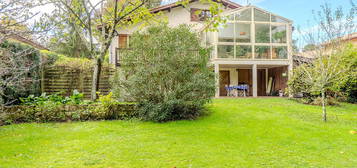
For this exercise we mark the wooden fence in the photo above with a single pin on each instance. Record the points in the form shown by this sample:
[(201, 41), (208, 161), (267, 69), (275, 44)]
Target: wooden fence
[(63, 80)]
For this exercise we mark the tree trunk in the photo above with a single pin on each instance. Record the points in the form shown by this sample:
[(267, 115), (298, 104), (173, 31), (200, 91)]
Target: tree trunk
[(96, 77), (324, 115)]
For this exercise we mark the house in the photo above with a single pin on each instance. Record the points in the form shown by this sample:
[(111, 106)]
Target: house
[(254, 47), (27, 41), (327, 46)]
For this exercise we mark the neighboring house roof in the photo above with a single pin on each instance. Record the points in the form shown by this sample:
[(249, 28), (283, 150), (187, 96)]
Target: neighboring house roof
[(301, 59), (227, 3), (348, 38), (28, 42)]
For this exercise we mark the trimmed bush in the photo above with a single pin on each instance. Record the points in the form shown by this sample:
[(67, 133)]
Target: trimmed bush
[(52, 112)]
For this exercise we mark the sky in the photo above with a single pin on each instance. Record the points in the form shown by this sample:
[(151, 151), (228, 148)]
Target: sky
[(299, 11)]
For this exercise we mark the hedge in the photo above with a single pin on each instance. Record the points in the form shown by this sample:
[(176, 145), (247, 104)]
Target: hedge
[(65, 113)]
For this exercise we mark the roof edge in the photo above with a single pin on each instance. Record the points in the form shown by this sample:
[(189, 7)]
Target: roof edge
[(228, 3)]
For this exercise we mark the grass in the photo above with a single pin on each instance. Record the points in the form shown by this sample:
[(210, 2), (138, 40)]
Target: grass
[(238, 133)]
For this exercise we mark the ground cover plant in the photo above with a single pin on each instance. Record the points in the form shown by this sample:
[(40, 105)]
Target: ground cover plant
[(57, 108), (266, 132)]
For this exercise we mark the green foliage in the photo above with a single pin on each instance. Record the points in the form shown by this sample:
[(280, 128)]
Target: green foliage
[(75, 98), (68, 42), (55, 108), (53, 58), (55, 112), (49, 57), (342, 85), (167, 73), (349, 85), (19, 71), (296, 85), (309, 47)]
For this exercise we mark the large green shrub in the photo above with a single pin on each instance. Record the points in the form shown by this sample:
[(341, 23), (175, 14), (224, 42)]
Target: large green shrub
[(349, 86), (19, 71), (167, 73)]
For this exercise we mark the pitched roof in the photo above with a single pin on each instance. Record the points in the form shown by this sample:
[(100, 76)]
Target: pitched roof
[(227, 3), (28, 42)]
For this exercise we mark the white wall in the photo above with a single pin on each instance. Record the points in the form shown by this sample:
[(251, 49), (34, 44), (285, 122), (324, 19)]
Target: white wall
[(175, 17), (112, 49)]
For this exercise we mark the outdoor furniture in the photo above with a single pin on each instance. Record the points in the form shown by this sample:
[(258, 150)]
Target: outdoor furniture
[(242, 90), (229, 90)]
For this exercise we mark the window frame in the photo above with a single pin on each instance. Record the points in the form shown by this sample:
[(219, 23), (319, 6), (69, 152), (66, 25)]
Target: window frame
[(252, 43)]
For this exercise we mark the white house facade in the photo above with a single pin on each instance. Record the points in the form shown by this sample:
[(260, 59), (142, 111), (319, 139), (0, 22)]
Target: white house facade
[(254, 47)]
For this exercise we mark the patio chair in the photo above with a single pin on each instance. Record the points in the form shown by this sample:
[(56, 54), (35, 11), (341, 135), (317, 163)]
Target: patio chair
[(229, 90)]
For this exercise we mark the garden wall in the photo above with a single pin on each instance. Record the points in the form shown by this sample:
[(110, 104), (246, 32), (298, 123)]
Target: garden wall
[(63, 80)]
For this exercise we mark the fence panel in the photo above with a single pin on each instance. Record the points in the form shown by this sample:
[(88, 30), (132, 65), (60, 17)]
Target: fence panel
[(63, 80)]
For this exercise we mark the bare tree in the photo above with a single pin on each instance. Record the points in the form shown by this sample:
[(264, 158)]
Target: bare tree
[(328, 37)]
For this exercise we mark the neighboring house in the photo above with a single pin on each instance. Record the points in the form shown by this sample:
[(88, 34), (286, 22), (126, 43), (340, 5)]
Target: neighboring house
[(254, 47), (350, 38), (27, 41)]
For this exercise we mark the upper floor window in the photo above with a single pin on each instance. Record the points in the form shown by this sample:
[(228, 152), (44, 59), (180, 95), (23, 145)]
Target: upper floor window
[(123, 41), (252, 33), (278, 33), (226, 33), (245, 15), (261, 16), (200, 14), (262, 33)]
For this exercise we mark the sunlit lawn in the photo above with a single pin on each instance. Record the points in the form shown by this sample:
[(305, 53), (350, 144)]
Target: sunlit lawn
[(238, 133)]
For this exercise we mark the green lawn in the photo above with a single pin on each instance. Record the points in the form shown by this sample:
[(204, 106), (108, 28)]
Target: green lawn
[(238, 133)]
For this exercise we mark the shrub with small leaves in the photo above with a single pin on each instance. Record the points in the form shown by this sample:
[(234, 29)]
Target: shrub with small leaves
[(167, 72)]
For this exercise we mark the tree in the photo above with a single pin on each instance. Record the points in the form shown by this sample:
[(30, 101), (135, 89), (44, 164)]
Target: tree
[(329, 67), (97, 23), (68, 42), (167, 73), (17, 61), (309, 47)]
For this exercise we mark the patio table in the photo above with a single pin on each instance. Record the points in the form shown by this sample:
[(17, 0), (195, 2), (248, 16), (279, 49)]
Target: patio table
[(243, 87)]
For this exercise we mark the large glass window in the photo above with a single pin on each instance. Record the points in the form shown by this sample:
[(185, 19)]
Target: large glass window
[(243, 51), (225, 51), (280, 52), (277, 19), (242, 33), (262, 52), (278, 34), (245, 15), (253, 32), (226, 33), (262, 33), (261, 16)]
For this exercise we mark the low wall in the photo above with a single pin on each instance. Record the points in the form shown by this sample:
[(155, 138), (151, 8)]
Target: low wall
[(64, 113)]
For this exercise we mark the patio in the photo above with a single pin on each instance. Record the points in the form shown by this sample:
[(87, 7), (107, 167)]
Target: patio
[(250, 80)]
